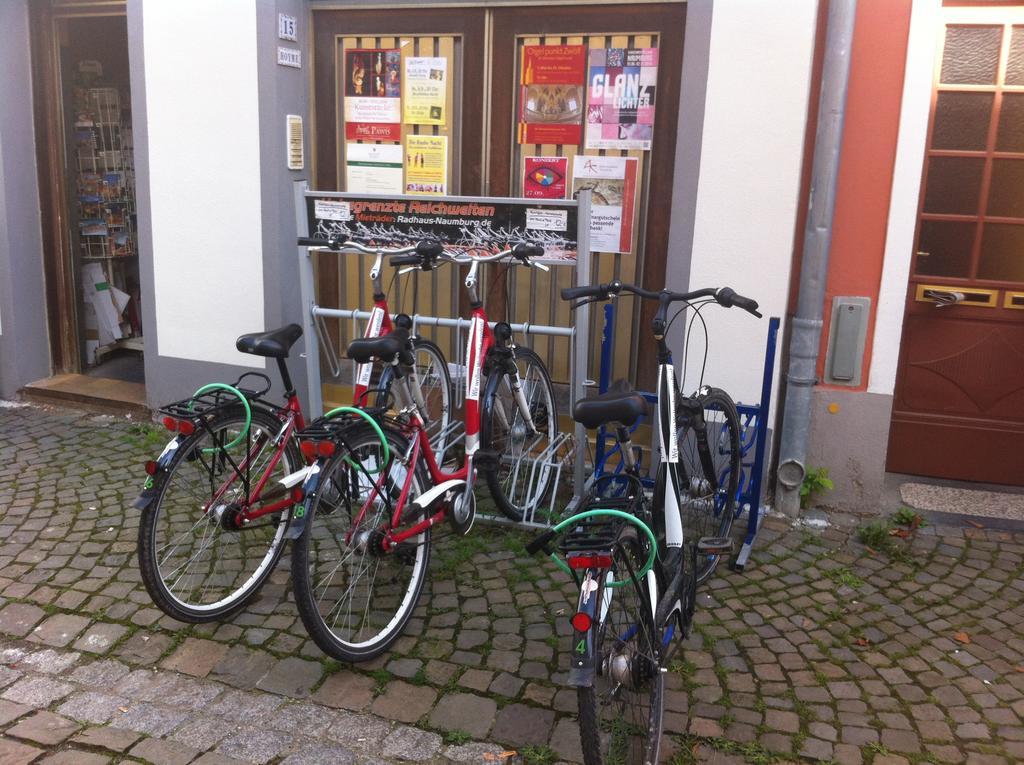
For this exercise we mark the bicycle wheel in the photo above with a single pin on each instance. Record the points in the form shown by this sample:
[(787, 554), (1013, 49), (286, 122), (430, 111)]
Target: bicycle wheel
[(435, 384), (354, 598), (199, 566), (621, 715), (516, 481), (707, 511)]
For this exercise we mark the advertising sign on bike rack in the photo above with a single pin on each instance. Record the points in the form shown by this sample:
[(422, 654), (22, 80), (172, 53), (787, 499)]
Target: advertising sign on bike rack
[(470, 224)]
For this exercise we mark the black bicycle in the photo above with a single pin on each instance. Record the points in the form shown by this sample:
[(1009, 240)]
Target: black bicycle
[(636, 560)]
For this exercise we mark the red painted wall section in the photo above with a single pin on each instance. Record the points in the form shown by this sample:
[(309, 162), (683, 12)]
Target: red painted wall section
[(868, 157)]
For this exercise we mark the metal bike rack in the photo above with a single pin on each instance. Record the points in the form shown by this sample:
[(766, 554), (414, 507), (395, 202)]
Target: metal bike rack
[(564, 447), (753, 435)]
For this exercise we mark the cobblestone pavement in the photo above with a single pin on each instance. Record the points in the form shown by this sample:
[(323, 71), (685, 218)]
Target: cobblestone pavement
[(821, 651)]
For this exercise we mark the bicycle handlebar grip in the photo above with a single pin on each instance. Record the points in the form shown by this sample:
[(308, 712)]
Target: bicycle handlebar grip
[(405, 260), (526, 250), (575, 293), (305, 241), (728, 297)]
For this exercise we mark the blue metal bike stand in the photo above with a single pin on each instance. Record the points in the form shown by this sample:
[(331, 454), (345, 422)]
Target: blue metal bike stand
[(757, 417), (753, 437)]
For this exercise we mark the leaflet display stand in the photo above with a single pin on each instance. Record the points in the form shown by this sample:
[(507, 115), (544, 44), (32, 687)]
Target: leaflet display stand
[(400, 219)]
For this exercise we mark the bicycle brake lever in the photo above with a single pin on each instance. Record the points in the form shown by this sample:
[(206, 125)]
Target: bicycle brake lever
[(408, 269), (581, 303), (541, 266)]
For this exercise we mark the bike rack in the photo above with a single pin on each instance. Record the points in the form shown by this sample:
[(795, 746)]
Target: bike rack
[(563, 448), (753, 435)]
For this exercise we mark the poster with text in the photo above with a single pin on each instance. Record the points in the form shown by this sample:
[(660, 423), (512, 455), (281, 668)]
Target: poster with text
[(545, 177), (551, 98), (426, 84), (473, 226), (373, 168), (373, 94), (426, 164), (620, 101), (612, 183)]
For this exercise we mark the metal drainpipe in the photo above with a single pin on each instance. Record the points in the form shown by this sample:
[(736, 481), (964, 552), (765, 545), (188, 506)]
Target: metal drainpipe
[(806, 328)]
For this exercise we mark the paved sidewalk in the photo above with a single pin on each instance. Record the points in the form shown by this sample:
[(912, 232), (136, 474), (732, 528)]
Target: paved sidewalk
[(821, 651)]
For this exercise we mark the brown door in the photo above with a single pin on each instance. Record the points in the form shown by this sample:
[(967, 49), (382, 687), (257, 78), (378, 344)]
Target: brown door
[(959, 402), (455, 35), (604, 26), (483, 49)]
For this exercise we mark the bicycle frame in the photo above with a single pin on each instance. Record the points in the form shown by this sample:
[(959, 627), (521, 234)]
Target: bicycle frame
[(480, 347), (251, 509)]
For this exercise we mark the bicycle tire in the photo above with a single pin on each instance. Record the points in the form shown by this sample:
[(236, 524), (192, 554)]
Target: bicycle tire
[(706, 513), (503, 475), (612, 729), (314, 551), (439, 410), (189, 461)]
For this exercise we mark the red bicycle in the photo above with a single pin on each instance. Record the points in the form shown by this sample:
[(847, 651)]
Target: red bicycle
[(216, 505), (431, 379), (377, 489)]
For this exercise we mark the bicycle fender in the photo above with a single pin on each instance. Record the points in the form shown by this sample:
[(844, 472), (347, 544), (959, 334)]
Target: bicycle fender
[(583, 665), (150, 488), (427, 498), (301, 512)]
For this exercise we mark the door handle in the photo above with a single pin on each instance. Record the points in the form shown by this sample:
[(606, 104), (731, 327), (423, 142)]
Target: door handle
[(945, 297)]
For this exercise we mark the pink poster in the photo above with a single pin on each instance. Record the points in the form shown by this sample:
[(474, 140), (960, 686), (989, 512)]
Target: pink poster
[(621, 85)]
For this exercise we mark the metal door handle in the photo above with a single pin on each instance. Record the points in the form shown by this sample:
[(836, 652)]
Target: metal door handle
[(945, 297)]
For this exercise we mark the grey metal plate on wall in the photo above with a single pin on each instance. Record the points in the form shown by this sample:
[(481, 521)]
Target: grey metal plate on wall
[(847, 335)]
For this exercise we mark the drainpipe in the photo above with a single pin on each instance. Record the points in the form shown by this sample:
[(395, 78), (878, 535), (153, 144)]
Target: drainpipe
[(806, 327)]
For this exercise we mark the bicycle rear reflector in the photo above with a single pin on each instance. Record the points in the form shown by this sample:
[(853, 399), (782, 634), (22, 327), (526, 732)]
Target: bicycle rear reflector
[(298, 494), (313, 449), (151, 468), (581, 622), (590, 561), (185, 427)]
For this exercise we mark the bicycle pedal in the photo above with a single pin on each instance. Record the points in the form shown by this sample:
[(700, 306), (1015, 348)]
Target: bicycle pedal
[(715, 545)]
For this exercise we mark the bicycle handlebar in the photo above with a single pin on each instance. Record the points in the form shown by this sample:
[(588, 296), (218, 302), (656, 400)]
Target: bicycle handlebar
[(337, 244), (724, 296)]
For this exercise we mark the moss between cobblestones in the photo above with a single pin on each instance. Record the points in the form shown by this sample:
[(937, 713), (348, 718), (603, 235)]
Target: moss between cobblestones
[(802, 587)]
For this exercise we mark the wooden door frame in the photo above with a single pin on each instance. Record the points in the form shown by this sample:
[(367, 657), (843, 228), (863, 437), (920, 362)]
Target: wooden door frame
[(59, 283), (559, 20), (328, 25)]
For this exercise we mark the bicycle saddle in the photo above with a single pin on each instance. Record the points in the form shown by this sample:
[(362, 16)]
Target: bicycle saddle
[(384, 348), (274, 343), (619, 404)]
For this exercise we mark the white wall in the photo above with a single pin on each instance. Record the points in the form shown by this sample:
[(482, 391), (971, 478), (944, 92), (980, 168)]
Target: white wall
[(754, 120), (906, 186), (202, 113)]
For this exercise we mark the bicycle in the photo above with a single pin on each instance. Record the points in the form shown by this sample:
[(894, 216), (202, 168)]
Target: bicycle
[(376, 491), (203, 550), (638, 560), (432, 382), (205, 568)]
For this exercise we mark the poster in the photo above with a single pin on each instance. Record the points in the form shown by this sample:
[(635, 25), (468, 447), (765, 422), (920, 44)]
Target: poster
[(373, 95), (426, 84), (470, 225), (551, 98), (426, 164), (620, 106), (612, 182), (545, 177), (373, 168)]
